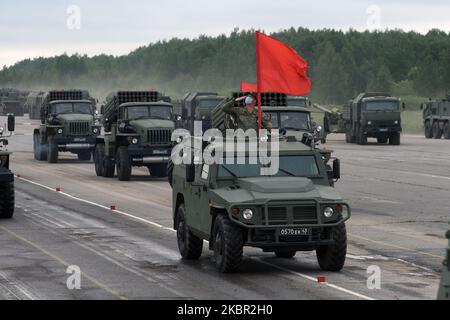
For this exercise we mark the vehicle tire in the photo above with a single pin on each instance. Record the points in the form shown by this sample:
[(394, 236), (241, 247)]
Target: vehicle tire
[(362, 138), (52, 151), (228, 245), (109, 167), (189, 245), (99, 154), (7, 200), (395, 139), (36, 146), (159, 170), (170, 167), (382, 140), (332, 257), (437, 132), (123, 163), (286, 254), (40, 150), (447, 130), (347, 137), (85, 156), (428, 130)]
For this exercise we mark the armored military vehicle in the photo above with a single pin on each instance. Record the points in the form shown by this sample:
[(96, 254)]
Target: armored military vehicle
[(197, 106), (436, 118), (233, 205), (6, 176), (373, 115), (12, 102), (138, 129), (444, 288), (67, 125), (33, 105)]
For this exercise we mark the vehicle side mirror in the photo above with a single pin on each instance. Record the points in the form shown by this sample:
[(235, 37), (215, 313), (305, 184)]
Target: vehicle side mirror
[(190, 172), (337, 169), (11, 123), (421, 107)]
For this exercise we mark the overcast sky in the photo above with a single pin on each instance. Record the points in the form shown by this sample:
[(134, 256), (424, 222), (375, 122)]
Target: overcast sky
[(31, 29)]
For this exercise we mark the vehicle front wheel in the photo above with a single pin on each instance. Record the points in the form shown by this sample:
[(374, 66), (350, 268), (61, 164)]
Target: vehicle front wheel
[(447, 130), (123, 162), (395, 139), (428, 130), (7, 200), (52, 151), (99, 154), (228, 245), (189, 245), (437, 132), (332, 257), (287, 254)]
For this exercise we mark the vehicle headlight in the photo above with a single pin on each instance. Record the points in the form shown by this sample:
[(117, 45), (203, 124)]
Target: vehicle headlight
[(1, 130), (247, 214), (369, 123), (328, 212), (134, 140), (396, 122), (95, 131), (60, 131)]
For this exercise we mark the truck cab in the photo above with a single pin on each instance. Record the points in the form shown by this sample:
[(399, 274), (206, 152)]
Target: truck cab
[(198, 106)]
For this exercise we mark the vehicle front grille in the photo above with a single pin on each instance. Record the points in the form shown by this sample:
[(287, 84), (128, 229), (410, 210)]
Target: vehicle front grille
[(159, 136), (79, 128), (304, 215), (290, 214), (277, 216)]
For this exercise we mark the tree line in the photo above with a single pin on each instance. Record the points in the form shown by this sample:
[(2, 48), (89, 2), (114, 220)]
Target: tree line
[(342, 64)]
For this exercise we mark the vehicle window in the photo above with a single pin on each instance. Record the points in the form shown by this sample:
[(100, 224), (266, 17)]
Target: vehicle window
[(295, 102), (72, 107), (209, 103), (146, 112), (383, 106), (298, 166), (290, 120)]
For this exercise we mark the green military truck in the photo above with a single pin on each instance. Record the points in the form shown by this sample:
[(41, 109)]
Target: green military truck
[(197, 106), (444, 288), (373, 115), (67, 125), (138, 129), (33, 105), (233, 205), (6, 176), (436, 118)]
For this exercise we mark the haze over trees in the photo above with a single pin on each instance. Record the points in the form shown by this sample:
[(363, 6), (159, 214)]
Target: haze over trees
[(342, 65)]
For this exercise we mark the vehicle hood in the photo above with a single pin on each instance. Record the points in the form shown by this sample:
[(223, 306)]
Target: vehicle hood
[(145, 124), (75, 117), (274, 188)]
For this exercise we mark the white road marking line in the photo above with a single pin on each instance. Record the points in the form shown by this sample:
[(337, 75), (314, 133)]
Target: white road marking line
[(304, 276), (18, 286)]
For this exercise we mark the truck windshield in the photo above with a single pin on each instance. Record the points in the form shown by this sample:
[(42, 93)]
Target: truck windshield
[(209, 103), (296, 166), (296, 102), (383, 106), (147, 112), (299, 121), (72, 107)]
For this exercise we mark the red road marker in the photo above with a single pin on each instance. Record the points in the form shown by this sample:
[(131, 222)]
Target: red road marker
[(113, 207), (58, 189), (321, 279)]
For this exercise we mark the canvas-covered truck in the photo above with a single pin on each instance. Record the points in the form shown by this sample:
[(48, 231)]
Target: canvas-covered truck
[(6, 176), (444, 288), (436, 118), (232, 205), (138, 128), (197, 106), (67, 125), (373, 115)]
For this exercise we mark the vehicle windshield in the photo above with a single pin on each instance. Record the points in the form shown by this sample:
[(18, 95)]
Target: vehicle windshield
[(72, 107), (209, 103), (299, 121), (295, 102), (383, 106), (148, 112), (296, 166)]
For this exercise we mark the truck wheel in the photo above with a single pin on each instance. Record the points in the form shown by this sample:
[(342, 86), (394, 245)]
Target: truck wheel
[(170, 166), (395, 139), (85, 156), (362, 138), (7, 200), (228, 245), (287, 254), (428, 130), (447, 130), (52, 151), (437, 132), (332, 257), (159, 170), (189, 245), (40, 150), (99, 154), (123, 162)]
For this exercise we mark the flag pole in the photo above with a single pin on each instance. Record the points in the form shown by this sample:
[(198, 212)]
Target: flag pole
[(258, 81)]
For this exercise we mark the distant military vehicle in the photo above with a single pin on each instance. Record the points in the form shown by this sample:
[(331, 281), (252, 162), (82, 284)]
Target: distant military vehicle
[(33, 105), (333, 121), (67, 125), (197, 106), (11, 102), (444, 288), (436, 118), (6, 176), (232, 206), (373, 115), (138, 129), (298, 101)]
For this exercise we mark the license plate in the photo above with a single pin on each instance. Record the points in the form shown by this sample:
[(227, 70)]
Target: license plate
[(383, 130), (79, 139), (159, 151), (295, 232)]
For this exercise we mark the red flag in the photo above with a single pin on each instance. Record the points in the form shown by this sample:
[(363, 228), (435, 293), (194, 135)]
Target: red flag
[(280, 68), (248, 87)]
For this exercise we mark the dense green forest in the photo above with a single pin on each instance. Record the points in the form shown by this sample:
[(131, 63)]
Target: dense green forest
[(342, 64)]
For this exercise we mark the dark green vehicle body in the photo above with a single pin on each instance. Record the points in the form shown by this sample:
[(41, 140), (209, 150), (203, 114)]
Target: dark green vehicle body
[(436, 118), (33, 105), (6, 176), (444, 288), (373, 115), (209, 203), (67, 125), (131, 142)]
